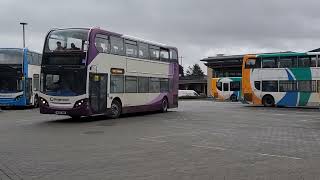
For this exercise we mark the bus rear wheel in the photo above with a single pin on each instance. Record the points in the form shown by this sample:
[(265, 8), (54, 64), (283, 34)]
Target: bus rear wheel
[(268, 101), (233, 98), (116, 109)]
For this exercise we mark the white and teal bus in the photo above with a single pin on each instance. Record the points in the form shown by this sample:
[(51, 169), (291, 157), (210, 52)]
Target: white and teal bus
[(282, 79), (19, 77), (93, 71)]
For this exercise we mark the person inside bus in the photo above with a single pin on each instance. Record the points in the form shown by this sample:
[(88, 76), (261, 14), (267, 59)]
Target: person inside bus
[(74, 47), (59, 47)]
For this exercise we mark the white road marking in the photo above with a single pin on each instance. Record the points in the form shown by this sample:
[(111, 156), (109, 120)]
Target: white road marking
[(209, 147), (153, 140), (279, 156)]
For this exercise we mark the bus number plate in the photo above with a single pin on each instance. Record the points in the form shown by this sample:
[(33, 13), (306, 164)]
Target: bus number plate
[(61, 112)]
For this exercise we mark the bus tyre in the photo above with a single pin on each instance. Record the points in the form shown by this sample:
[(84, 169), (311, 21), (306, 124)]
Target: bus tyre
[(116, 109), (233, 98), (268, 101), (164, 105), (36, 101)]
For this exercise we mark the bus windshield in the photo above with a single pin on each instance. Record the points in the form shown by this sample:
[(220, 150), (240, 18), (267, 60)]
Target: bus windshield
[(67, 40), (11, 56), (64, 82)]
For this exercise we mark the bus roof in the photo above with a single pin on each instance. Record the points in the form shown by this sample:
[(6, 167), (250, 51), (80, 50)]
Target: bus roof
[(121, 35), (281, 54)]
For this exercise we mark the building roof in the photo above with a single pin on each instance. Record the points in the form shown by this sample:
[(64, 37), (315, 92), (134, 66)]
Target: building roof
[(223, 61)]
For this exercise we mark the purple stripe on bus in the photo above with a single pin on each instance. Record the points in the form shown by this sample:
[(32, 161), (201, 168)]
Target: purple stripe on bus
[(93, 52)]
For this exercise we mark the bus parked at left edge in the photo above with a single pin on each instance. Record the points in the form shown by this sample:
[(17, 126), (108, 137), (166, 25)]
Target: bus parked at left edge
[(19, 77)]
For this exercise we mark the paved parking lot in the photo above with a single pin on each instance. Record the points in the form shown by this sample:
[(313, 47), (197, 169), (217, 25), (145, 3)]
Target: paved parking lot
[(199, 140)]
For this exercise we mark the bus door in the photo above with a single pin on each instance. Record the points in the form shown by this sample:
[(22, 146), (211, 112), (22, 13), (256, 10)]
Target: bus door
[(98, 85), (28, 91), (226, 90)]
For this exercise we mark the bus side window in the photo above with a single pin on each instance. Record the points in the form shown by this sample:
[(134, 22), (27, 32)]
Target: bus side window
[(36, 82), (270, 86), (250, 63), (154, 52), (143, 50), (257, 85), (102, 43), (131, 48), (269, 63), (164, 55), (117, 46)]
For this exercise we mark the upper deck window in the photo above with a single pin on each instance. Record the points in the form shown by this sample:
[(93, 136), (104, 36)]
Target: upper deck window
[(173, 54), (250, 63), (11, 56), (102, 43), (269, 62), (117, 46), (67, 40)]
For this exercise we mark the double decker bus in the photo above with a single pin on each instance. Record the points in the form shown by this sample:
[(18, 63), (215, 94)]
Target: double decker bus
[(282, 79), (93, 71), (226, 88), (19, 77)]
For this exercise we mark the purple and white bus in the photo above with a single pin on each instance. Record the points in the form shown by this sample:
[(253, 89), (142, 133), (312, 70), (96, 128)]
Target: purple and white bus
[(92, 71)]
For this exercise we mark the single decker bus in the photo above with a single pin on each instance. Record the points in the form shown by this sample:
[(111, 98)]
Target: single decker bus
[(92, 71), (19, 77), (282, 79)]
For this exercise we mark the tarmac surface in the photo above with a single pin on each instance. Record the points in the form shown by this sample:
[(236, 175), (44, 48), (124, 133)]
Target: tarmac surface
[(199, 140)]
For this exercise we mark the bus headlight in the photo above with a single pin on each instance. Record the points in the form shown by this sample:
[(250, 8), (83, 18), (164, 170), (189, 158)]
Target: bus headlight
[(18, 97), (80, 103), (44, 102)]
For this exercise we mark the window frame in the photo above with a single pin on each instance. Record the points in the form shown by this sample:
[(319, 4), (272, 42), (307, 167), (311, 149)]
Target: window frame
[(146, 50), (147, 80), (128, 42), (123, 83), (103, 37), (133, 78), (121, 52), (263, 87), (155, 48), (275, 59)]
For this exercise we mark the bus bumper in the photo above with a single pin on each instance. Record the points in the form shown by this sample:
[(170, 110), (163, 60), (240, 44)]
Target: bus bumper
[(79, 111), (13, 102)]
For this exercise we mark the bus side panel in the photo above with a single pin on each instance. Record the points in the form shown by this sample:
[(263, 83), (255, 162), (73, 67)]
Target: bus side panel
[(32, 70)]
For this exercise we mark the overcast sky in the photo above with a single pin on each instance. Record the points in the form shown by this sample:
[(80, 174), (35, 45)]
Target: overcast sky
[(198, 28)]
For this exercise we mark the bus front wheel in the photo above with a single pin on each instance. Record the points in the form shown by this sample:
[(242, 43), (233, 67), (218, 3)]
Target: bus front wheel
[(116, 109), (268, 101)]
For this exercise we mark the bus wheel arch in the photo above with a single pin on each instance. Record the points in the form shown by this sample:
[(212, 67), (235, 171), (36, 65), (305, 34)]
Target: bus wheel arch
[(116, 108), (164, 104), (268, 100)]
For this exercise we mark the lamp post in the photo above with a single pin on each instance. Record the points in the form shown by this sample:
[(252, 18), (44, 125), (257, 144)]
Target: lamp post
[(24, 35)]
